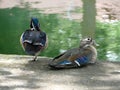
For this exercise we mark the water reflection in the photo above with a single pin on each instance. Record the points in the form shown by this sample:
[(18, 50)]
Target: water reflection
[(62, 33), (112, 56)]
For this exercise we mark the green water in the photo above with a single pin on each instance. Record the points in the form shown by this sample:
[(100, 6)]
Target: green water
[(63, 34)]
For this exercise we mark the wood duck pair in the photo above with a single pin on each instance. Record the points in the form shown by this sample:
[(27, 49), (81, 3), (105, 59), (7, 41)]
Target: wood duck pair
[(33, 40), (85, 54)]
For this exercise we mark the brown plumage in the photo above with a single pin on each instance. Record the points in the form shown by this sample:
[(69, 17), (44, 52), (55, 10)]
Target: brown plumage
[(73, 57)]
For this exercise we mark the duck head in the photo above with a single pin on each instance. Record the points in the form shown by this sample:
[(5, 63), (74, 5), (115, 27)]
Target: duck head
[(34, 24), (87, 41)]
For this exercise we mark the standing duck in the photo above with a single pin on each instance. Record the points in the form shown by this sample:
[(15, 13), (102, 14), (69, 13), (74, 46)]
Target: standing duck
[(33, 40), (85, 54)]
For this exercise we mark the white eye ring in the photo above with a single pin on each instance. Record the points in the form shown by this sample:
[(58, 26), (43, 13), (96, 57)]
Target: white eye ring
[(89, 39)]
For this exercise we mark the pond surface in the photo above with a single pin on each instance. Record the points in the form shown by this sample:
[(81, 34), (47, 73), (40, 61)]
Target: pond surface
[(63, 34)]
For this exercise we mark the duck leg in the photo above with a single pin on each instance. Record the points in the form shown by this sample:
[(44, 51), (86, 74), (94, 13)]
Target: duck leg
[(35, 58)]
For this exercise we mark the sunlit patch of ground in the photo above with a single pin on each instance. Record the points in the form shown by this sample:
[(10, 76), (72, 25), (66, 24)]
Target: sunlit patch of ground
[(106, 9), (9, 3)]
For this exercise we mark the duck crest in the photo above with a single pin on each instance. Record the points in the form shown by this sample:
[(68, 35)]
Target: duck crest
[(34, 24), (33, 40)]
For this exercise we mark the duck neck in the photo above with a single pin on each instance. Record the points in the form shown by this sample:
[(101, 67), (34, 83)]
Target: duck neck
[(38, 29)]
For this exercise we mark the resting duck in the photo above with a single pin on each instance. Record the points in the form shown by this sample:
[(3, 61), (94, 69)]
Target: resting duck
[(33, 40), (85, 54)]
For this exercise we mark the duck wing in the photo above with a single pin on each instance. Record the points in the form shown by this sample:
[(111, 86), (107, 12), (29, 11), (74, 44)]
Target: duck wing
[(34, 37)]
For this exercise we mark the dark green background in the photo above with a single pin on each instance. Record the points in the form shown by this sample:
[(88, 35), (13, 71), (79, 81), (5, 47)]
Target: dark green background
[(62, 33)]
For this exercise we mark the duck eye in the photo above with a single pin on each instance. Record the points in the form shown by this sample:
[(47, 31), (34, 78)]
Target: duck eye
[(88, 39)]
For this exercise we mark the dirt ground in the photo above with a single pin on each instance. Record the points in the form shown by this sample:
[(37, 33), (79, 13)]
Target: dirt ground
[(106, 9), (19, 73)]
